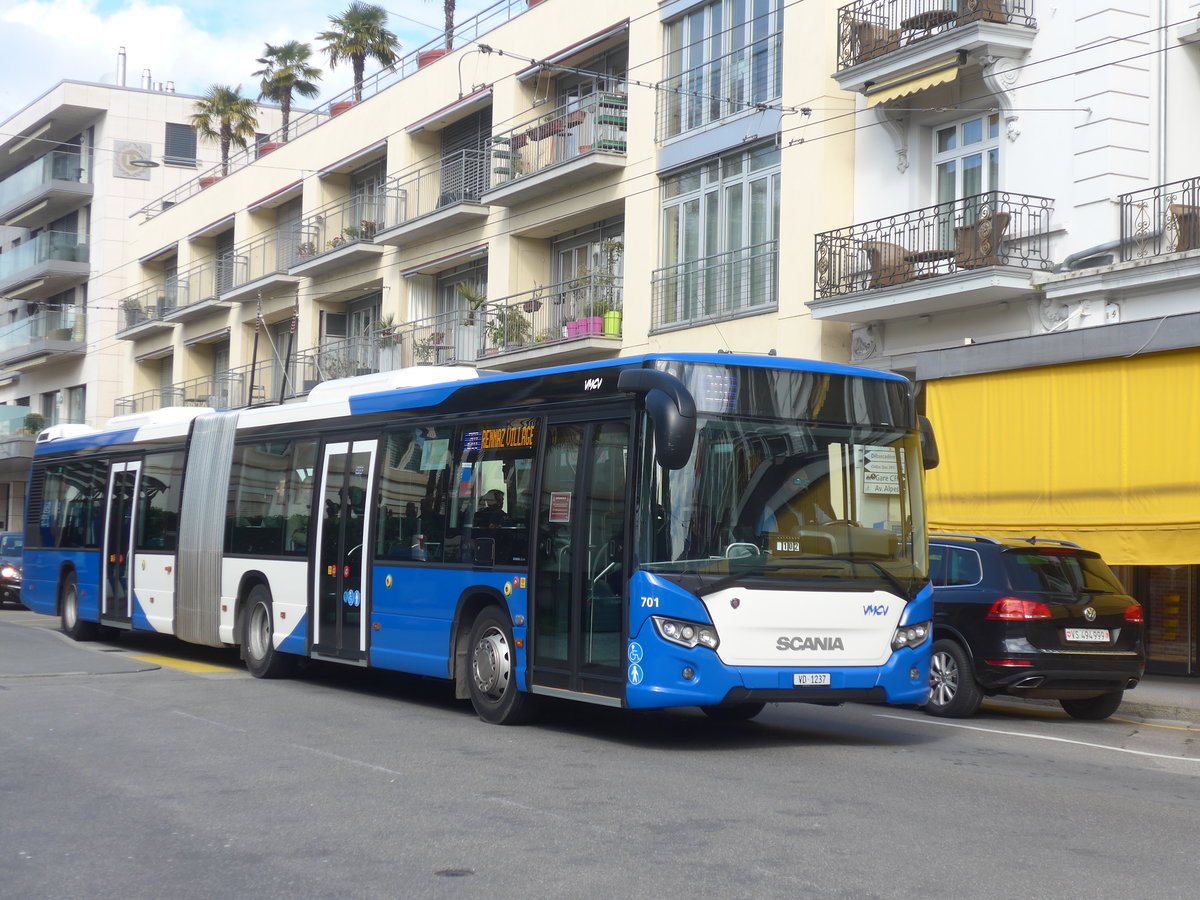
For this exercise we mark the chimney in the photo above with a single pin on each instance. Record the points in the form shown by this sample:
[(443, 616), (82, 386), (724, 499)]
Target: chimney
[(170, 87), (145, 79), (121, 67)]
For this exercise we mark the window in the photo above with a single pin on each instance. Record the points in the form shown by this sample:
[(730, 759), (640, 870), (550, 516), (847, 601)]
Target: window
[(966, 159), (71, 505), (270, 498), (720, 229), (953, 566), (180, 146), (158, 501), (721, 59)]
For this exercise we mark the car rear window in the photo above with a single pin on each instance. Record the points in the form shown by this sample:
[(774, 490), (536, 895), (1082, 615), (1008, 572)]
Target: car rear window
[(1058, 572), (950, 566)]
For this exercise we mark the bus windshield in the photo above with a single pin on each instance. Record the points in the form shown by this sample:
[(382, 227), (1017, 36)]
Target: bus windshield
[(788, 500)]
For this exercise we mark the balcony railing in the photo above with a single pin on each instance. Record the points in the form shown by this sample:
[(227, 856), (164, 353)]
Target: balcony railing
[(234, 389), (465, 32), (65, 324), (721, 87), (992, 229), (595, 123), (870, 28), (270, 254), (728, 285), (57, 165), (47, 246), (338, 225), (458, 178), (1162, 219), (583, 307)]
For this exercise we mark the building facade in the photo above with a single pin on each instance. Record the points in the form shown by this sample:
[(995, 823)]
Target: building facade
[(1023, 244), (75, 164)]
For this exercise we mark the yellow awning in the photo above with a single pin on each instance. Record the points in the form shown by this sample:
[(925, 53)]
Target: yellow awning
[(1104, 453), (931, 76)]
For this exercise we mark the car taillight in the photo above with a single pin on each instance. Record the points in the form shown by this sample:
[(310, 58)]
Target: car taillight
[(1133, 615), (1012, 608)]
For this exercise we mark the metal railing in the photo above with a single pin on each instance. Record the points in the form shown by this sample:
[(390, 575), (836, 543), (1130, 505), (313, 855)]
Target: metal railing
[(594, 123), (587, 306), (1161, 219), (458, 178), (57, 165), (49, 245), (723, 86), (270, 254), (728, 285), (236, 388), (63, 324), (869, 29), (992, 229), (464, 32), (339, 224)]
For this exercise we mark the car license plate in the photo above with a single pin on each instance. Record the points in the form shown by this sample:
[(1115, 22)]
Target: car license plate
[(1088, 635), (810, 679)]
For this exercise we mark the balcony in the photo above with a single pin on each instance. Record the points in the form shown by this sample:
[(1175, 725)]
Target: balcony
[(966, 253), (729, 285), (46, 336), (338, 234), (232, 389), (1161, 220), (143, 311), (261, 265), (579, 140), (882, 41), (434, 200), (44, 265), (199, 289), (17, 441), (44, 190)]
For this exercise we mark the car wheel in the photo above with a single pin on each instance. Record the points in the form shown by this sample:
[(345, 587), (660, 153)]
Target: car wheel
[(734, 712), (954, 692), (491, 672), (68, 605), (1093, 709), (258, 638)]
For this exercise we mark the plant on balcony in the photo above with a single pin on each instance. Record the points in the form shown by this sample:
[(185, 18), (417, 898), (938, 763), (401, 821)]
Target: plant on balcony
[(306, 249), (475, 297), (286, 71), (133, 311), (34, 423), (507, 326), (223, 115), (424, 348), (367, 229), (358, 33)]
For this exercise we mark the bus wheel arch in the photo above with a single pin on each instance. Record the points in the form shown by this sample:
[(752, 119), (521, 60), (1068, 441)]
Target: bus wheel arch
[(73, 625), (470, 605), (492, 674)]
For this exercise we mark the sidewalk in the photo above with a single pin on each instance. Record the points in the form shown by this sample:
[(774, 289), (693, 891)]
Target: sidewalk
[(1164, 697)]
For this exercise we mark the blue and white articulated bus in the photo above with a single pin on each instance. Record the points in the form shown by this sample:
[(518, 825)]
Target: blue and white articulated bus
[(720, 531)]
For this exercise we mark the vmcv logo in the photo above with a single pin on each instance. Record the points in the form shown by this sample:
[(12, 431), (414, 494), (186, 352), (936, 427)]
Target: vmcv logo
[(875, 609), (593, 384)]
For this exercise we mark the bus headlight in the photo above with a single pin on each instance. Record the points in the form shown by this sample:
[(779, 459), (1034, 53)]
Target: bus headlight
[(910, 635), (686, 634)]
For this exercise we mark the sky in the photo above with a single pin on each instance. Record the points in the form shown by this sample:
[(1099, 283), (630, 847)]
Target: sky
[(194, 43)]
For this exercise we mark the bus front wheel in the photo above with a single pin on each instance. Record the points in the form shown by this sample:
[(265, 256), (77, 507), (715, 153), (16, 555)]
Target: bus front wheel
[(258, 638), (68, 604), (491, 672)]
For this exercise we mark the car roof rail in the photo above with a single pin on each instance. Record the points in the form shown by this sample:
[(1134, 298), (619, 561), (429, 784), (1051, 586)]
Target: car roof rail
[(1037, 540), (967, 537)]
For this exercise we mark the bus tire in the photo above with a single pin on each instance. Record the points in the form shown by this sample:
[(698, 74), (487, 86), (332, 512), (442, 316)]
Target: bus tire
[(73, 626), (491, 671), (258, 638), (733, 712), (953, 691)]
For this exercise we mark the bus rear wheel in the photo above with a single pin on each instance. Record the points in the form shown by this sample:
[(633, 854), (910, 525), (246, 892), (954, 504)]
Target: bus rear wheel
[(491, 672), (258, 638), (68, 605)]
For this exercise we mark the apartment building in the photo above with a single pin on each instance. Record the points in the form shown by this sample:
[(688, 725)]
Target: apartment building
[(1024, 244), (75, 164)]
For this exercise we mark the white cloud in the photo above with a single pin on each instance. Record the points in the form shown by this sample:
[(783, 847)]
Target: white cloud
[(193, 44)]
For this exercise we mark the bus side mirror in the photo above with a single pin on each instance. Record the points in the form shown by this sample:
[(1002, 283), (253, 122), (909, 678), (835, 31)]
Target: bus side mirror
[(929, 447), (672, 410)]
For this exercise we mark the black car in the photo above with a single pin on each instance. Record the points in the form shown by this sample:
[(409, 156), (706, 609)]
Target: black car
[(1030, 618), (12, 546)]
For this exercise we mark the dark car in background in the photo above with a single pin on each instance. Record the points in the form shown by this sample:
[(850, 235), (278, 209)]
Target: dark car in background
[(12, 547), (1030, 618)]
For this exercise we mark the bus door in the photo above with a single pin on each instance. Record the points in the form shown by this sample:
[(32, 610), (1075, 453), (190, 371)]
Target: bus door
[(341, 584), (116, 577), (580, 575)]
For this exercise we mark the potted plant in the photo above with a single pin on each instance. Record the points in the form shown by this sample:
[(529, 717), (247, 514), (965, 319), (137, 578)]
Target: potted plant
[(133, 312), (474, 296), (34, 423), (425, 347), (306, 249), (368, 229), (351, 233), (507, 327)]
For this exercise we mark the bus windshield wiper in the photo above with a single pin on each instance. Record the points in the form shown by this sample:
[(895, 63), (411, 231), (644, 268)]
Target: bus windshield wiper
[(881, 569)]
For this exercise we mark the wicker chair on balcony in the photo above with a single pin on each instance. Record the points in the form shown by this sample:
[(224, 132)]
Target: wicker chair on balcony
[(871, 40), (1186, 220), (981, 11), (888, 262), (978, 245)]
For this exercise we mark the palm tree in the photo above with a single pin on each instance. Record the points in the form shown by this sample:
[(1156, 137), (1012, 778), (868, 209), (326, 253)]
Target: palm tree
[(360, 32), (225, 116), (285, 72), (448, 8)]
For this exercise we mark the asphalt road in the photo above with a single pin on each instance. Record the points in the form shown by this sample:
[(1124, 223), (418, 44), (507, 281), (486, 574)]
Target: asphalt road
[(149, 768)]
